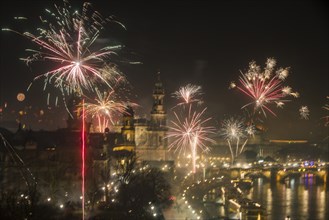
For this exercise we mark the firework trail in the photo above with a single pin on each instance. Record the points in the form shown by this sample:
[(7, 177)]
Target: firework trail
[(189, 133), (264, 87), (105, 108), (83, 157), (66, 41), (304, 112), (234, 130), (326, 118)]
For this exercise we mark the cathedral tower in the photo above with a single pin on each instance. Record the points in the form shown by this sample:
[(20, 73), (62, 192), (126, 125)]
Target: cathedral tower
[(158, 114), (157, 126)]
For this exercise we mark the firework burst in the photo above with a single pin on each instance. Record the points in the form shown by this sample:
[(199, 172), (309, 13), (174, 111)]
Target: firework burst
[(233, 130), (264, 87), (105, 108), (304, 112), (67, 41), (190, 133), (188, 94)]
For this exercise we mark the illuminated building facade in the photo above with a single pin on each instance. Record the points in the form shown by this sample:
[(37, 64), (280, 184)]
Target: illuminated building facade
[(151, 143)]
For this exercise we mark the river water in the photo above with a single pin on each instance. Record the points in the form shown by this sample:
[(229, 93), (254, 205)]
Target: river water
[(298, 198)]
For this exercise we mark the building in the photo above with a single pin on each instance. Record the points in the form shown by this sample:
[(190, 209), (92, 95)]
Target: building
[(145, 137), (151, 144), (55, 156)]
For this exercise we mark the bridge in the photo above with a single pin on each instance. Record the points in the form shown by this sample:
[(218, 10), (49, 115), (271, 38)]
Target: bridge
[(219, 197), (218, 191), (221, 190), (273, 173)]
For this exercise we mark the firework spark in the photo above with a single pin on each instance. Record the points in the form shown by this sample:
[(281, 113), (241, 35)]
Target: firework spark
[(304, 112), (264, 87), (188, 94), (234, 130), (67, 41), (190, 133)]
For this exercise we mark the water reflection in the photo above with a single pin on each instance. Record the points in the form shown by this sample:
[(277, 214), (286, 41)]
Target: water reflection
[(300, 198), (269, 200), (321, 195)]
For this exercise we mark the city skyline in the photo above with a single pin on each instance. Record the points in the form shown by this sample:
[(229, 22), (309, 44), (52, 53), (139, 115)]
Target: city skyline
[(199, 43)]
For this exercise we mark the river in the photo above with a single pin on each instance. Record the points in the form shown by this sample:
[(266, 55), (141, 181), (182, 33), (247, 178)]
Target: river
[(298, 198)]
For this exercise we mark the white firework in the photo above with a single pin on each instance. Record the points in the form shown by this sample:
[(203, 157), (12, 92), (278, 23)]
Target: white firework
[(304, 112)]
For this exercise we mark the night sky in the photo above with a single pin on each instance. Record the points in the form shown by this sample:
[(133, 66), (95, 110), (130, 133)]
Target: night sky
[(200, 42)]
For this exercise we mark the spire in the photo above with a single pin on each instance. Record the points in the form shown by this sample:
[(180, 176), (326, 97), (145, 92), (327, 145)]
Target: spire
[(158, 88)]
